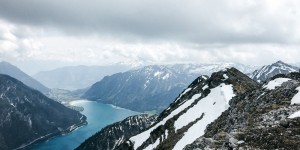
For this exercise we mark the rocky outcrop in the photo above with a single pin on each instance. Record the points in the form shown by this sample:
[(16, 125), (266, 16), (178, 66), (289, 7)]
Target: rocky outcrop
[(257, 119)]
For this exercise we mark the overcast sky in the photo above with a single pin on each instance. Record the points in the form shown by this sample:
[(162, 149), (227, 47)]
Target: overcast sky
[(44, 34)]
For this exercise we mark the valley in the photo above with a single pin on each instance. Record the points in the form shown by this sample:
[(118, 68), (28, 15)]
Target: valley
[(98, 116), (157, 106), (149, 75)]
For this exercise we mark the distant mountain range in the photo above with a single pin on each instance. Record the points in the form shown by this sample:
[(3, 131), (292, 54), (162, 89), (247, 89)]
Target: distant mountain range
[(152, 87), (28, 117), (77, 77), (227, 110), (269, 71), (13, 71)]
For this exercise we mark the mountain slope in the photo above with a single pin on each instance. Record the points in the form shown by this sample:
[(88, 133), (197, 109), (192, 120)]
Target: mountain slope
[(269, 71), (27, 116), (76, 77), (187, 117), (266, 118), (13, 71), (227, 111), (113, 135), (152, 87)]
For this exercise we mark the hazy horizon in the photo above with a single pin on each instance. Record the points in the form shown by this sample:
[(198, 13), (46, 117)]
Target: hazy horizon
[(44, 35)]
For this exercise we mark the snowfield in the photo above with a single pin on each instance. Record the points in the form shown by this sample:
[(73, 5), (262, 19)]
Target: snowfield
[(296, 98), (275, 83), (139, 139), (211, 107)]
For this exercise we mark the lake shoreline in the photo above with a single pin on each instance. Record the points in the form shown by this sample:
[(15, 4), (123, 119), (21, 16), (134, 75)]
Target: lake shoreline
[(49, 136), (99, 115)]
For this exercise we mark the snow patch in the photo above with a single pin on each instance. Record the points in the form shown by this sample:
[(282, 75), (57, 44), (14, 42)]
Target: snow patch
[(205, 87), (211, 106), (221, 95), (275, 83), (152, 146), (166, 76), (295, 115), (184, 92), (157, 73), (225, 76), (296, 98)]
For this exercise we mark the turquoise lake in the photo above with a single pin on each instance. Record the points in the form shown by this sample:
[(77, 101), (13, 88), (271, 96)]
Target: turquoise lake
[(98, 116)]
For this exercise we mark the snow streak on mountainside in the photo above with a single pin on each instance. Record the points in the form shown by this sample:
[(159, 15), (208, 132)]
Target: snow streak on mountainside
[(227, 111), (151, 87), (13, 71), (269, 71), (199, 105), (265, 118)]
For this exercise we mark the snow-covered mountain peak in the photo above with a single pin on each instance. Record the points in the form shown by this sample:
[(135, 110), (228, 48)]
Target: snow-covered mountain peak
[(227, 111), (197, 106), (269, 71)]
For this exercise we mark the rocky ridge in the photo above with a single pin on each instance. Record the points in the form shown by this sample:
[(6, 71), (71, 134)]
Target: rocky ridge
[(176, 125), (227, 110), (265, 118), (13, 71), (151, 87)]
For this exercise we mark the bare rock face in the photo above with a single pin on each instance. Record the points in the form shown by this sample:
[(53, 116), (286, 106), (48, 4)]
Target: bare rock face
[(257, 119), (27, 116)]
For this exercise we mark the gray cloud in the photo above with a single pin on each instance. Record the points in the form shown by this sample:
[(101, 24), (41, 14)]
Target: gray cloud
[(205, 21), (55, 33)]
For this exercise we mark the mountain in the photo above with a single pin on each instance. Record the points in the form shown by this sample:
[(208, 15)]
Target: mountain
[(145, 89), (28, 117), (76, 77), (269, 71), (13, 71), (152, 87), (118, 132), (228, 111), (195, 108), (266, 118), (208, 69)]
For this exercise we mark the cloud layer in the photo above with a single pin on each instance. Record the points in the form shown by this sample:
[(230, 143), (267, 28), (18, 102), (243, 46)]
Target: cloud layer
[(168, 31), (205, 21)]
